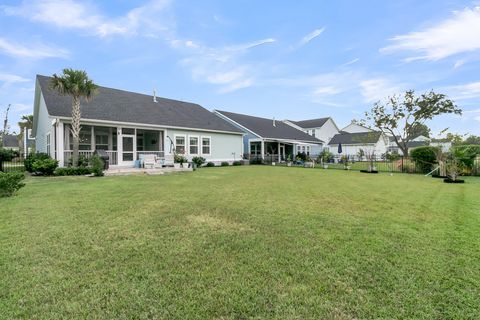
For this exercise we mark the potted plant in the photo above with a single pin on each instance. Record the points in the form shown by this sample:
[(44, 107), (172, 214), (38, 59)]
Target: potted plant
[(289, 160), (325, 157), (178, 161), (346, 162), (309, 162)]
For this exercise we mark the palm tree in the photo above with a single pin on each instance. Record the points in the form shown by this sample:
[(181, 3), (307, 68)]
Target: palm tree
[(26, 122), (75, 83)]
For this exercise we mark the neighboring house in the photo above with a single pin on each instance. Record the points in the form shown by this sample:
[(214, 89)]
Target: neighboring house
[(10, 141), (370, 142), (128, 125), (355, 128), (420, 141), (321, 128), (268, 137)]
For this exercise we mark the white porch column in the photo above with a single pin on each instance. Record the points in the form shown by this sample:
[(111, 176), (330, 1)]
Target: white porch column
[(119, 146), (262, 149), (60, 144), (279, 156)]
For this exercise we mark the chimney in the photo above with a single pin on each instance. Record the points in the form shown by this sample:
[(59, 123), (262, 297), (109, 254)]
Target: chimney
[(274, 124), (154, 96)]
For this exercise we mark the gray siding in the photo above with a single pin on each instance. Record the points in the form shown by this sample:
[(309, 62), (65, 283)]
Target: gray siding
[(44, 127)]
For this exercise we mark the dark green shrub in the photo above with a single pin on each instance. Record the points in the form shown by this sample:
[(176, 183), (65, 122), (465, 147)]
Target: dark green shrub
[(83, 161), (236, 163), (256, 161), (199, 161), (225, 164), (31, 158), (424, 158), (302, 156), (7, 154), (210, 164), (44, 167), (10, 182), (97, 166), (72, 171)]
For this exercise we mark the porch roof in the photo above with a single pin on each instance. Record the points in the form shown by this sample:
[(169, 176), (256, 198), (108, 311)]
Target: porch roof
[(130, 107)]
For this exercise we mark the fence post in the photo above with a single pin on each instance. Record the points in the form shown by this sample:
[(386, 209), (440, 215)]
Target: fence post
[(402, 165)]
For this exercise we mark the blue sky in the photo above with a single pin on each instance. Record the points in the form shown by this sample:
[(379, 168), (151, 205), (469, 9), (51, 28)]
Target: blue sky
[(283, 59)]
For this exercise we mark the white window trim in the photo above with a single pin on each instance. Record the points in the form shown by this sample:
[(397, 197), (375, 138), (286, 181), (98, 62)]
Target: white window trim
[(198, 145), (210, 145), (184, 136)]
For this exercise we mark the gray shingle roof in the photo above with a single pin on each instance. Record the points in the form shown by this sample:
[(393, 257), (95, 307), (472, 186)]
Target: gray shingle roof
[(10, 141), (312, 123), (124, 106), (264, 127), (356, 138), (416, 144)]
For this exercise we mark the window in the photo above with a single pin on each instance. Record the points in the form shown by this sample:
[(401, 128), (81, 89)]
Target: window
[(85, 141), (308, 150), (48, 143), (101, 138), (299, 148), (313, 133), (303, 148), (128, 131), (193, 145), (206, 145), (180, 144)]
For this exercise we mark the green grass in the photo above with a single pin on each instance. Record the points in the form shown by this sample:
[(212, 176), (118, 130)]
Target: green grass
[(242, 242)]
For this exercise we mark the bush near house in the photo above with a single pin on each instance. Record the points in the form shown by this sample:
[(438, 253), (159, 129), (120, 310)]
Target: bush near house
[(73, 171), (7, 154), (199, 161), (97, 166), (210, 164), (224, 164), (10, 182), (236, 163), (424, 157), (44, 167), (31, 158), (466, 154)]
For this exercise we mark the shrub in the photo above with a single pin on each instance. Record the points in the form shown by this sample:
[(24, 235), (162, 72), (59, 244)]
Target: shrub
[(199, 161), (45, 167), (83, 161), (97, 166), (10, 182), (301, 156), (225, 164), (256, 161), (31, 158), (178, 158), (210, 164), (424, 157), (237, 163), (72, 171), (466, 154), (7, 154)]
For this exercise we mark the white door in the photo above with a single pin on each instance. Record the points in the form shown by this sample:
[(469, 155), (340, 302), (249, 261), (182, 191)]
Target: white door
[(128, 149)]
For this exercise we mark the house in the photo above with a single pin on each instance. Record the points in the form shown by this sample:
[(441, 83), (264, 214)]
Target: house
[(371, 142), (321, 128), (269, 138), (128, 125), (354, 127), (10, 141), (421, 141)]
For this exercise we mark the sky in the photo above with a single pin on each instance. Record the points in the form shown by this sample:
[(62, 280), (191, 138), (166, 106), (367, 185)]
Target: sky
[(284, 59)]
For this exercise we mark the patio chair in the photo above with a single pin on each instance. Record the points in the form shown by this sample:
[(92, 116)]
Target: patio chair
[(169, 160), (149, 161)]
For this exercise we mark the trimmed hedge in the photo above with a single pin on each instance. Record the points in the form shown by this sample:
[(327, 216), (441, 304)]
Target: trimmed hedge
[(424, 157), (71, 171), (45, 167), (224, 164), (210, 164), (237, 163)]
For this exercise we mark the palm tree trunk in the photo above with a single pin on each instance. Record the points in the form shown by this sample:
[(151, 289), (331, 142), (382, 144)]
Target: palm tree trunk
[(76, 115)]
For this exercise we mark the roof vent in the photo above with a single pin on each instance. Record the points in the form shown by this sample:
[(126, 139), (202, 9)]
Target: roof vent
[(154, 96), (274, 124)]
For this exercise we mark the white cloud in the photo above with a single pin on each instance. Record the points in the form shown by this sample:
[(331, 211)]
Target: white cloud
[(377, 89), (84, 16), (351, 62), (11, 78), (458, 34), (34, 51), (222, 66), (312, 35), (464, 91)]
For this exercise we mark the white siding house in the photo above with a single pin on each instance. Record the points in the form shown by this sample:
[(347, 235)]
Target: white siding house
[(130, 125), (322, 128), (355, 128)]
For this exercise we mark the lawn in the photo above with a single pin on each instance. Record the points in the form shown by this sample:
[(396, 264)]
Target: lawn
[(242, 242)]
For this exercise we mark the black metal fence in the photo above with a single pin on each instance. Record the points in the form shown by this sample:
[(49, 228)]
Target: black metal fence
[(12, 165), (400, 164)]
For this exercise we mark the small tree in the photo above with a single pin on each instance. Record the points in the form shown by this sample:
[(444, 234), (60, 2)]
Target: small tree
[(75, 83), (403, 117)]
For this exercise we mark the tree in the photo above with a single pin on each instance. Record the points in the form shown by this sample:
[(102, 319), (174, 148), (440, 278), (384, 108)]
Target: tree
[(75, 83), (472, 140), (5, 126), (27, 122), (420, 130), (455, 139), (401, 117)]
